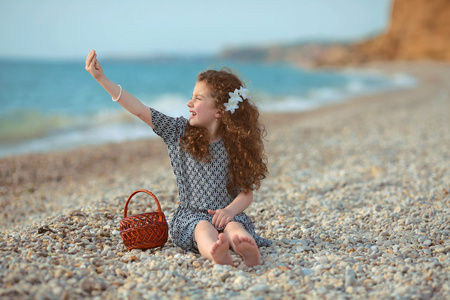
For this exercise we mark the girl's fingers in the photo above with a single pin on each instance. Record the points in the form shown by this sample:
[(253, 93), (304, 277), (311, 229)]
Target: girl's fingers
[(219, 220), (96, 63), (89, 58), (94, 60), (222, 222), (215, 221), (225, 222)]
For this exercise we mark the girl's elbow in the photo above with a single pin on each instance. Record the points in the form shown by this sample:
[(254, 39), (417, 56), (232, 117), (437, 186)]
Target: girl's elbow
[(145, 115)]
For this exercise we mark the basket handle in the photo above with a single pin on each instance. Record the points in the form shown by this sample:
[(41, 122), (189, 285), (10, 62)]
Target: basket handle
[(139, 191)]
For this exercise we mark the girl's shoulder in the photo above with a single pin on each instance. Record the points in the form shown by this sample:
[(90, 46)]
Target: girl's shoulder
[(171, 129)]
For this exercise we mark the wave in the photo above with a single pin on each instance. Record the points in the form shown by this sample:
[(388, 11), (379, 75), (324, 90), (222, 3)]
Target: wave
[(25, 131), (32, 131), (358, 83), (36, 132)]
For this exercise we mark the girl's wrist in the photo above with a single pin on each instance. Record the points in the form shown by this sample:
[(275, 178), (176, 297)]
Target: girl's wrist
[(231, 211), (102, 80), (107, 84)]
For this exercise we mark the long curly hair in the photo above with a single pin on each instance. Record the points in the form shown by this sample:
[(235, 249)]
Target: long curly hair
[(241, 132)]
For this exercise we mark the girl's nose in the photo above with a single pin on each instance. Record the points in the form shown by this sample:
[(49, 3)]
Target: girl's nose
[(189, 103)]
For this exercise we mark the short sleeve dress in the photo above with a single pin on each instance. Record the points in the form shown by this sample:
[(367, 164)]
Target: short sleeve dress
[(201, 185)]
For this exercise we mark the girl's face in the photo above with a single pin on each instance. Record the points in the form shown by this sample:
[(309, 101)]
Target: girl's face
[(202, 108)]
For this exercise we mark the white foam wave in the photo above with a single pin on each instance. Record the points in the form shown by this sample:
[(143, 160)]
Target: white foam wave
[(174, 105), (359, 83), (106, 126), (118, 125), (63, 140)]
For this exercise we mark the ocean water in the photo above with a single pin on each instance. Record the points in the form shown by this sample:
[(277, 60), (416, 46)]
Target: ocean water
[(57, 105)]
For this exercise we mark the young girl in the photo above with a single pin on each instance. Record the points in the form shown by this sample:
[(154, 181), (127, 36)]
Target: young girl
[(218, 160)]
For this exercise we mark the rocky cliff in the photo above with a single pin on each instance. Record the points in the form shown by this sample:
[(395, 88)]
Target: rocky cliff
[(419, 30)]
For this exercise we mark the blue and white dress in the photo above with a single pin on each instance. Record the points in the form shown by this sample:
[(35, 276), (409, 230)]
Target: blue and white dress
[(201, 185)]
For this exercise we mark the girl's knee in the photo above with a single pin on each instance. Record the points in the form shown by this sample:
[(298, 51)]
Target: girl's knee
[(236, 228), (203, 226), (233, 226)]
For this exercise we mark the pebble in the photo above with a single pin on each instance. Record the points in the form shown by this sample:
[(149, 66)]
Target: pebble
[(259, 288), (440, 249), (427, 242), (350, 277), (307, 271)]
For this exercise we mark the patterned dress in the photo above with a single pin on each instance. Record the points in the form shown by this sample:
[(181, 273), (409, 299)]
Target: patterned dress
[(201, 185)]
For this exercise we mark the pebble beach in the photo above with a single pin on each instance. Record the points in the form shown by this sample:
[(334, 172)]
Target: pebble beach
[(357, 205)]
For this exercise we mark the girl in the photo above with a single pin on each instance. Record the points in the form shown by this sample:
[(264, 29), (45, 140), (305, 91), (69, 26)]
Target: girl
[(218, 160)]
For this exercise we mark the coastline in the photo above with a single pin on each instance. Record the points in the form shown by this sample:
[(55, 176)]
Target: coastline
[(352, 187), (51, 126)]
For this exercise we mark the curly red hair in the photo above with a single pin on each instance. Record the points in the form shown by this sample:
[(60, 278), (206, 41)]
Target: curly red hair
[(241, 132)]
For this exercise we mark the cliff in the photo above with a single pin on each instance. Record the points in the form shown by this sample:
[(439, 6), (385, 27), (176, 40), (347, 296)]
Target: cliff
[(419, 30)]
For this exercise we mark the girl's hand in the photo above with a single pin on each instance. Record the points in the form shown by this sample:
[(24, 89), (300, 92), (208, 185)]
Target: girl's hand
[(221, 217), (93, 66)]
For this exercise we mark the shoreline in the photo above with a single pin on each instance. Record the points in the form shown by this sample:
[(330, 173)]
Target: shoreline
[(113, 124), (356, 204), (264, 115)]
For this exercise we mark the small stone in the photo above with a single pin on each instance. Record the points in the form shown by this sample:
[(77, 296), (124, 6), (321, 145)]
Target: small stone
[(377, 207), (350, 277), (259, 288), (406, 250), (120, 272), (240, 280), (105, 251), (101, 232), (427, 251), (224, 276), (440, 249), (72, 251), (307, 271), (323, 260), (373, 256), (85, 284)]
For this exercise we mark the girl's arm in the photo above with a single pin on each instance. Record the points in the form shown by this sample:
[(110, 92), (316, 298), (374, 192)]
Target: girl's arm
[(223, 216), (128, 101)]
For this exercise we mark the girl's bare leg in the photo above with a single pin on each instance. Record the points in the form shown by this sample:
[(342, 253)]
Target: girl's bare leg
[(242, 243), (212, 245)]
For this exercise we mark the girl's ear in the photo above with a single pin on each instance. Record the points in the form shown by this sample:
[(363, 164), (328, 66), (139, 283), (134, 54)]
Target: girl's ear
[(218, 115)]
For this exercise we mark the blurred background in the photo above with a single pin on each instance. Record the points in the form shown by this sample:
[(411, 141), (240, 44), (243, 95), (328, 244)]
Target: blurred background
[(155, 49)]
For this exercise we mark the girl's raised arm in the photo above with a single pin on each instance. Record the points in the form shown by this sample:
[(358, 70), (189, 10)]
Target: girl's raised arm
[(128, 101)]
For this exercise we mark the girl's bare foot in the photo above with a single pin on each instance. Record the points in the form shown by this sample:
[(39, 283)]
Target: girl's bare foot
[(248, 249), (220, 251)]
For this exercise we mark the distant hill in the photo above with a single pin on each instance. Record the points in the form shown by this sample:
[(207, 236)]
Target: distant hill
[(419, 30)]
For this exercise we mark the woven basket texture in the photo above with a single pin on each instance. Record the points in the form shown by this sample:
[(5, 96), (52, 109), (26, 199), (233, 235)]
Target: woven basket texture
[(146, 230)]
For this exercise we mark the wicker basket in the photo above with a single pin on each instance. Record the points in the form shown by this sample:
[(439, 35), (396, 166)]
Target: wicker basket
[(146, 230)]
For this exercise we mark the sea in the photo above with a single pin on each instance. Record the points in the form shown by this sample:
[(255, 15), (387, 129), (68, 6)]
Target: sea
[(57, 105)]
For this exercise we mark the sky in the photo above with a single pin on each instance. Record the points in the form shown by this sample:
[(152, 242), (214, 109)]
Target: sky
[(70, 29)]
